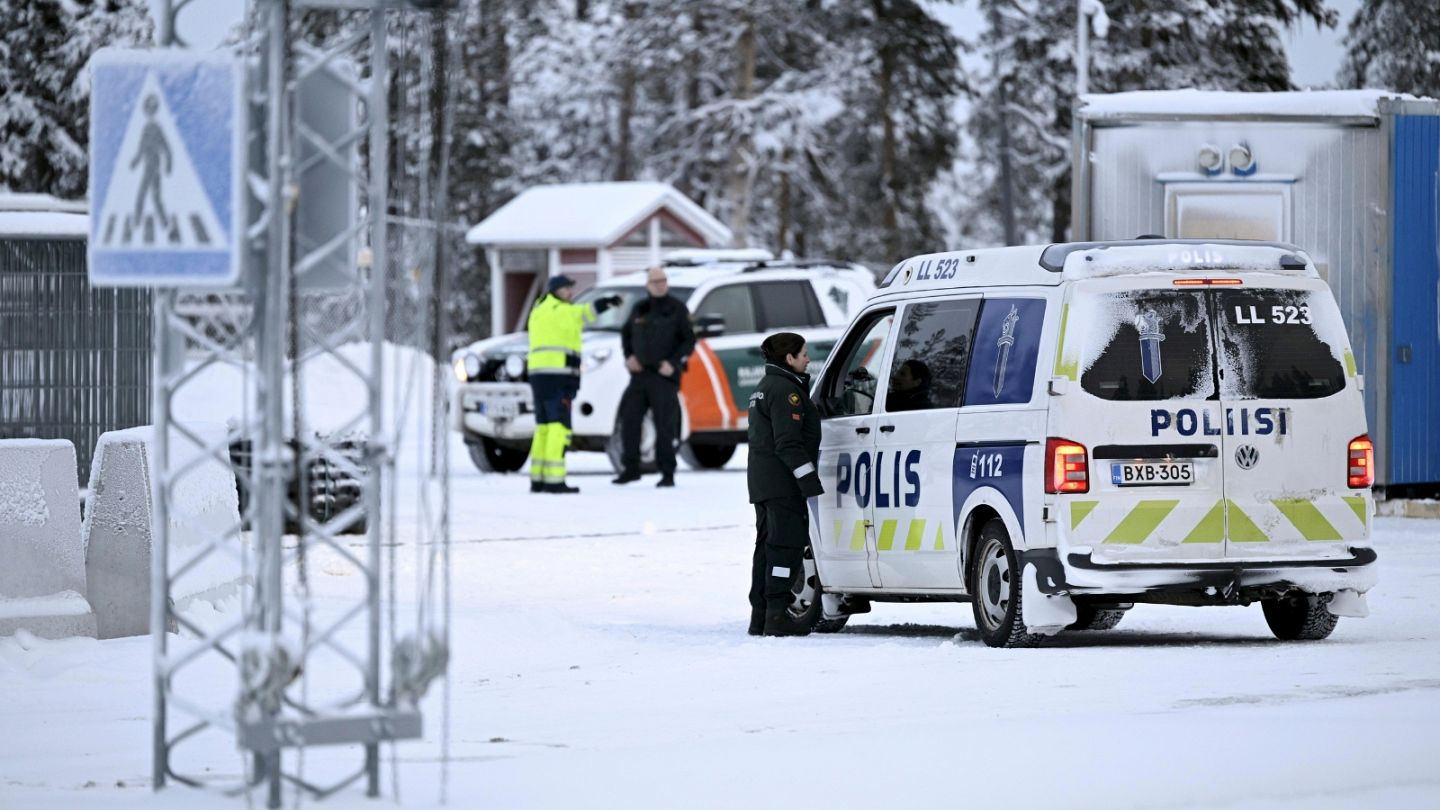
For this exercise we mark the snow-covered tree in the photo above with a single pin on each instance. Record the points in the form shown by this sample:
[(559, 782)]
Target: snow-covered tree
[(1394, 45), (1149, 45), (45, 46)]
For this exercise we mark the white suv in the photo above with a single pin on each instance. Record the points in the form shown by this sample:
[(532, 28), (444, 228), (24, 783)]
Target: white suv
[(734, 305)]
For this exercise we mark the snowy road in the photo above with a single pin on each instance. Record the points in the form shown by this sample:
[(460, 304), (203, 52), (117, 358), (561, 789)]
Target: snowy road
[(601, 661)]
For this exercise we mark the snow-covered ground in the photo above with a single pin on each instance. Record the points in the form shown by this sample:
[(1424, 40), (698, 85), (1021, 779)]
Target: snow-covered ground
[(601, 661)]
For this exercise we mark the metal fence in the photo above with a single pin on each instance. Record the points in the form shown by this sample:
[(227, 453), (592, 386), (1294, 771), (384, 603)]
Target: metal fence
[(74, 360)]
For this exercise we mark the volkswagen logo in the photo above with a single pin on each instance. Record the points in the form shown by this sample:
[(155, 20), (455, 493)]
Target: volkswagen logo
[(1246, 456)]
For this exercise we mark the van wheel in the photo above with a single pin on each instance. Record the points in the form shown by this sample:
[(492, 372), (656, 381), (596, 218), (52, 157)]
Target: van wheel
[(806, 610), (1300, 616), (995, 590), (489, 455), (615, 447), (706, 456), (1088, 617)]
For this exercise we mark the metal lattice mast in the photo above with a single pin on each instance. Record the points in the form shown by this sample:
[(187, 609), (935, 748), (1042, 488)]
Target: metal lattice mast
[(295, 314)]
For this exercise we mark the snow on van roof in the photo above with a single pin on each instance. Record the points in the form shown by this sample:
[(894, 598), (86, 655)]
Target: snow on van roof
[(1049, 265), (1191, 103)]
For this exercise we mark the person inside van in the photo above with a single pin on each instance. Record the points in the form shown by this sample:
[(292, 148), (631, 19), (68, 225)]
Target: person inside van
[(909, 387)]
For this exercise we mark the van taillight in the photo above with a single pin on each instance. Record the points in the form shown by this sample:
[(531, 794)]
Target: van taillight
[(1361, 462), (1069, 469)]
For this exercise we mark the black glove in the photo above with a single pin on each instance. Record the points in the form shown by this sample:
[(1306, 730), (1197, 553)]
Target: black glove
[(602, 304), (810, 485)]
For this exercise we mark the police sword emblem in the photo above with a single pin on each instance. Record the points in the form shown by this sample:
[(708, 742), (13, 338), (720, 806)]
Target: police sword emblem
[(1007, 340), (1147, 324)]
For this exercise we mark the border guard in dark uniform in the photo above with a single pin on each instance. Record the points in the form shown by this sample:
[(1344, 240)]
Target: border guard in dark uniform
[(657, 340), (784, 449)]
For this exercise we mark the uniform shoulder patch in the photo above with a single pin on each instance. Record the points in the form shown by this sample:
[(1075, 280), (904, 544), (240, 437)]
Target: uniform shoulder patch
[(795, 399)]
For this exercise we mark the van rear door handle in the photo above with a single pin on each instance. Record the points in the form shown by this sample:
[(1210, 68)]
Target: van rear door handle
[(862, 430), (887, 428)]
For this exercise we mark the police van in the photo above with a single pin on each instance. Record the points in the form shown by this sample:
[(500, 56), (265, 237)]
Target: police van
[(1055, 434)]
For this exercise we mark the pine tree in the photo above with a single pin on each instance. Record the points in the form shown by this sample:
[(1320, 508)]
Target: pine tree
[(45, 113), (1394, 45), (1150, 45)]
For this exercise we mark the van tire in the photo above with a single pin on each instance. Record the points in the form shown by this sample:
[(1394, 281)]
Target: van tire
[(1093, 618), (1300, 616), (706, 456), (808, 611), (995, 590), (489, 456)]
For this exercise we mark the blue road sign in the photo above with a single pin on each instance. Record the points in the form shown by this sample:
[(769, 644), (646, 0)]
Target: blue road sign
[(167, 162)]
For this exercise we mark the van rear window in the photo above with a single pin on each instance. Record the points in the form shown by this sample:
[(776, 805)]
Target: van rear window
[(1147, 345), (1272, 345)]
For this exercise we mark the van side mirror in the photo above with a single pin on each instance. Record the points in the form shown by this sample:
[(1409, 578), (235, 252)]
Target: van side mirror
[(710, 325)]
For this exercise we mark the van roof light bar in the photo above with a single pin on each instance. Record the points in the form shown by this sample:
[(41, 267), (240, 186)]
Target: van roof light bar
[(1053, 259)]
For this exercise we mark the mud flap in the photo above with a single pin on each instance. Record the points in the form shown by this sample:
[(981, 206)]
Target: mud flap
[(1348, 603), (1043, 614)]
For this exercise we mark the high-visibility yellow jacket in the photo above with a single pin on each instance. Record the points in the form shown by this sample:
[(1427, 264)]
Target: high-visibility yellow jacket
[(554, 328)]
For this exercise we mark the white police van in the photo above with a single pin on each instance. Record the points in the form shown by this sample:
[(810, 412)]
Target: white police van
[(1057, 433)]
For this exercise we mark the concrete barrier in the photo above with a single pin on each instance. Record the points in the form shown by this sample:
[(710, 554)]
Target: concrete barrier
[(42, 557), (120, 528)]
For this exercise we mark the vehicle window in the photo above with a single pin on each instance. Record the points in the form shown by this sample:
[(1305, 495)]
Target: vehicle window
[(1145, 345), (613, 318), (932, 352), (733, 303), (788, 303), (851, 381), (1272, 348)]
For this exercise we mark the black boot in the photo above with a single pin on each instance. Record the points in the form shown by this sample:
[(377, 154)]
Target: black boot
[(667, 480), (537, 486), (779, 623), (626, 477), (561, 488), (757, 621)]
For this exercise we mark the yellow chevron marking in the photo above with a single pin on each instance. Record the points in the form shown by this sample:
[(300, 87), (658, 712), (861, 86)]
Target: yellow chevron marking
[(1069, 369), (1357, 505), (915, 535), (1079, 510), (1211, 528), (857, 537), (887, 535), (940, 537), (839, 538), (1241, 528), (1137, 526)]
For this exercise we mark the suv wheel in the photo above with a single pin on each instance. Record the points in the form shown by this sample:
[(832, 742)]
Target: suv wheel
[(491, 456), (706, 456), (615, 447)]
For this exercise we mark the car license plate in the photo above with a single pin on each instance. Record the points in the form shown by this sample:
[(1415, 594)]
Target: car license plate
[(1152, 473), (500, 408)]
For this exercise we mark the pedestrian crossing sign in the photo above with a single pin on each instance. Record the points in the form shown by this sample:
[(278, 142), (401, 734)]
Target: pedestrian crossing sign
[(167, 162)]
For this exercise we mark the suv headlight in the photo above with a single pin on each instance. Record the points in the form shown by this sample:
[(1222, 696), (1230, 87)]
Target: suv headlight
[(514, 367), (594, 358)]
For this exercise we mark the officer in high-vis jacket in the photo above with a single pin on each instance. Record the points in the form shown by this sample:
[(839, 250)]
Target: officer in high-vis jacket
[(555, 325), (784, 451)]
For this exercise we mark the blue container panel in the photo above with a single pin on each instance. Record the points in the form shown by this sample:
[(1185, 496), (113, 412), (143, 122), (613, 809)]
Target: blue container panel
[(1415, 325)]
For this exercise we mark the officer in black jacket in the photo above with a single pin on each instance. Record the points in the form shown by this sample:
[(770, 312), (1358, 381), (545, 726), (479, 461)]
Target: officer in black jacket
[(784, 449), (657, 339)]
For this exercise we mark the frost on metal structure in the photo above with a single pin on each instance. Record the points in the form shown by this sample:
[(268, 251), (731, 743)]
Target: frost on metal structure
[(307, 672)]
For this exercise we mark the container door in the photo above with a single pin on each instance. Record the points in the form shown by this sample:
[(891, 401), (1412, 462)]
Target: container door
[(1291, 410), (843, 533), (1412, 454), (1148, 414)]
